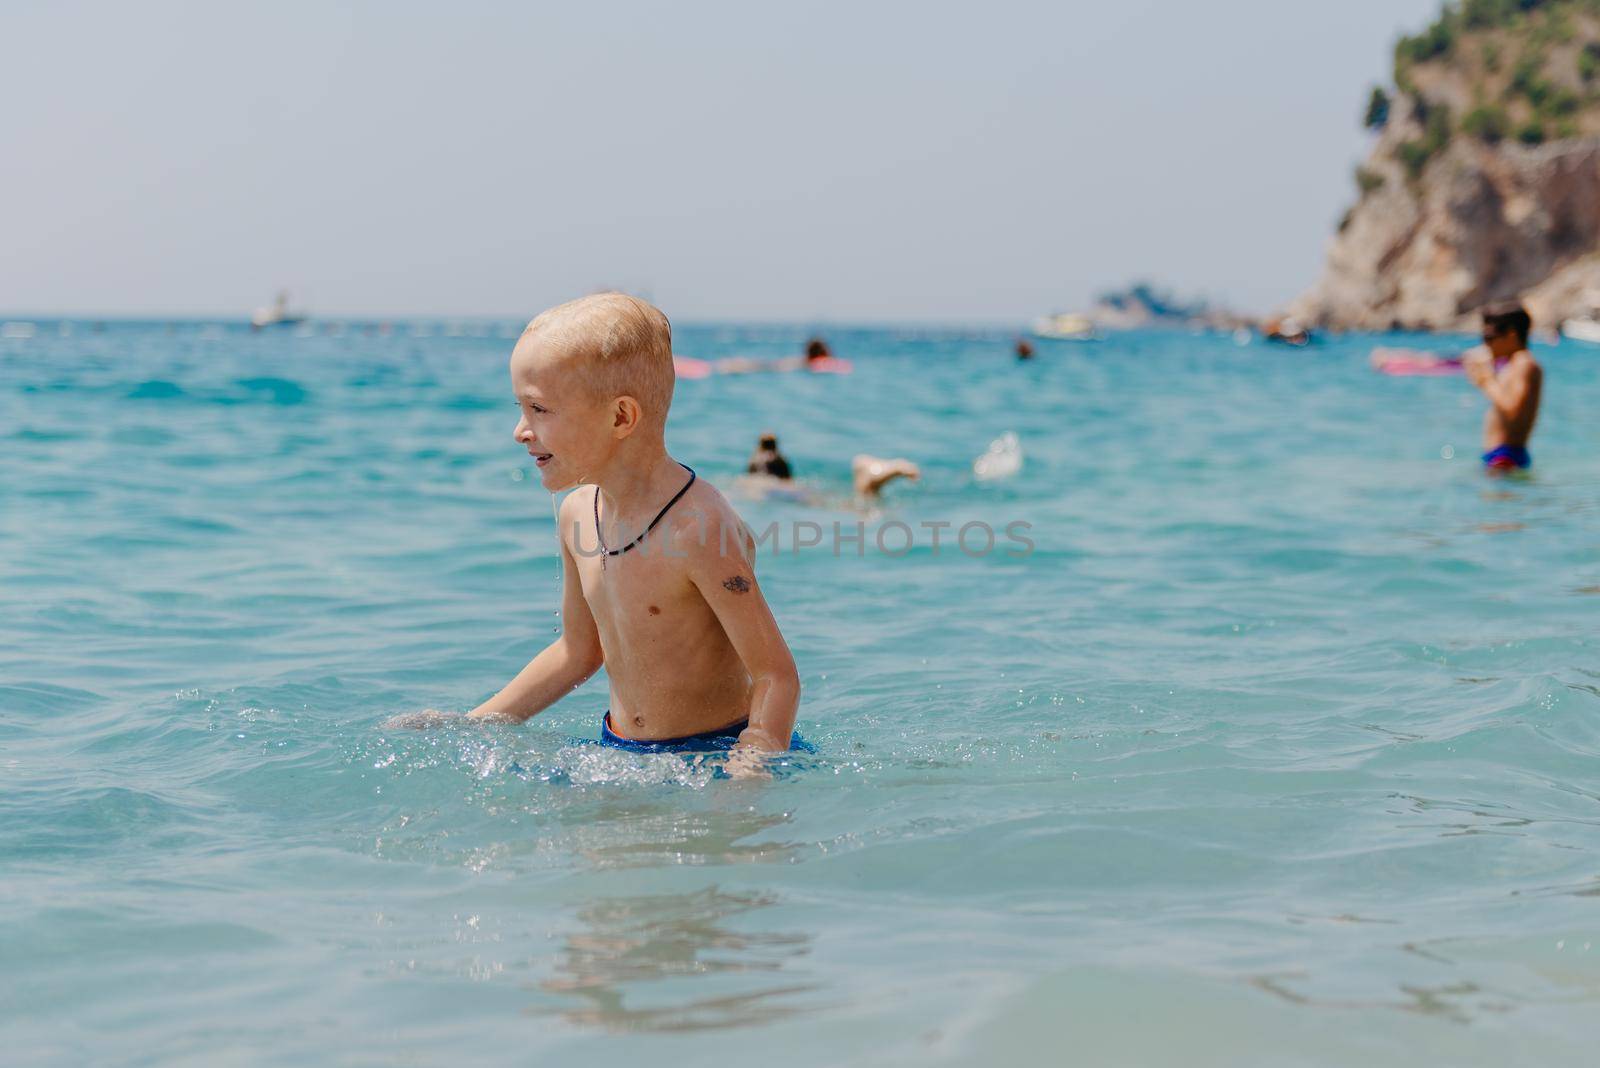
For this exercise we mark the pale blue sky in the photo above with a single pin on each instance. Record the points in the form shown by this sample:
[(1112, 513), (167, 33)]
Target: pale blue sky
[(818, 160)]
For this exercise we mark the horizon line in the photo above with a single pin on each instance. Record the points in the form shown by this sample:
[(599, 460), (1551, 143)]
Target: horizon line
[(482, 317)]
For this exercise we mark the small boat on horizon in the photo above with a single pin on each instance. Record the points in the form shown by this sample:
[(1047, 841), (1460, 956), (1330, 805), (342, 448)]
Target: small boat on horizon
[(1067, 326), (1282, 330), (277, 315)]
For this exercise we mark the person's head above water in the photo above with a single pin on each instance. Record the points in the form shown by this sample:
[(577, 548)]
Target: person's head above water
[(767, 460), (1506, 326), (817, 349), (593, 379)]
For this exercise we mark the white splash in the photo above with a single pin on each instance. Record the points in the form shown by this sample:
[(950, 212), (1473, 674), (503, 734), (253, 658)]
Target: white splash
[(1002, 459)]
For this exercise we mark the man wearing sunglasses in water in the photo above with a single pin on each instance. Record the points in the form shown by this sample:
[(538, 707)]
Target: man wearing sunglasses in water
[(1509, 376)]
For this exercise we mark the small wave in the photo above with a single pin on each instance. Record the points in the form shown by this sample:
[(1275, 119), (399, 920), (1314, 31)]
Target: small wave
[(29, 433), (88, 820), (44, 698), (270, 390), (157, 389)]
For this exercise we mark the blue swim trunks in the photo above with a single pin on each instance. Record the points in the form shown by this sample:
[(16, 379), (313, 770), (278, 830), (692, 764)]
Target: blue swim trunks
[(690, 743), (1507, 457)]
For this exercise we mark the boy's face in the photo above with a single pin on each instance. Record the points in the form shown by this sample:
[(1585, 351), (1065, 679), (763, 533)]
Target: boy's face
[(564, 427), (1502, 342)]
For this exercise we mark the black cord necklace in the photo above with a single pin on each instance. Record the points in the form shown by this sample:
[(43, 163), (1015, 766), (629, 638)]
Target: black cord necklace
[(599, 536)]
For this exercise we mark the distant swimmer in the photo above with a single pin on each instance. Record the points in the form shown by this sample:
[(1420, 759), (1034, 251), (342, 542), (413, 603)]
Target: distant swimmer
[(1506, 373), (768, 474), (820, 358), (768, 461), (817, 358), (1413, 362), (871, 473), (1024, 349)]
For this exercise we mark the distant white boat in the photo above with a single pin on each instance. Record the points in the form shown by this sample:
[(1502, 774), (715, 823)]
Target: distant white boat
[(18, 331), (1582, 330), (1066, 327), (277, 315)]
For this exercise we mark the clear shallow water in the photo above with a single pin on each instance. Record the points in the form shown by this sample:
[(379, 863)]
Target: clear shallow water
[(1280, 748)]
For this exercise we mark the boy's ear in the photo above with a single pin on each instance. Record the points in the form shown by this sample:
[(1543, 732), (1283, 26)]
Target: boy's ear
[(625, 416)]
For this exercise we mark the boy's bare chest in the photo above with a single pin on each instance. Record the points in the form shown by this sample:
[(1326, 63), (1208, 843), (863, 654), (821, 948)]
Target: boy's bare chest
[(635, 590)]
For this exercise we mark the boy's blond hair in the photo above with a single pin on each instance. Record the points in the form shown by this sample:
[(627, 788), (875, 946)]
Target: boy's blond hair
[(619, 345)]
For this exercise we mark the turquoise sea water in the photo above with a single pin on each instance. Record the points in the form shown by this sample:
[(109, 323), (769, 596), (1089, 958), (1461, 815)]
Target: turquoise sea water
[(1279, 749)]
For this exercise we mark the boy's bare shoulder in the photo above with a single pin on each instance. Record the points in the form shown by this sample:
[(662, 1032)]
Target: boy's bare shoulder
[(707, 497), (574, 511), (1525, 370), (705, 524), (704, 504)]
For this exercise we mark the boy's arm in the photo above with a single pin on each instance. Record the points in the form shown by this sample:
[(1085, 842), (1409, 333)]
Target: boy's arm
[(727, 580), (563, 665)]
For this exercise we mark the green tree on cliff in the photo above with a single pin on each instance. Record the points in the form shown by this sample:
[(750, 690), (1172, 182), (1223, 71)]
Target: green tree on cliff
[(1377, 109), (1549, 89)]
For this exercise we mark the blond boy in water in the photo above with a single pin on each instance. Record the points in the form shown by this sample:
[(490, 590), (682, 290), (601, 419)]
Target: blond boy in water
[(659, 581)]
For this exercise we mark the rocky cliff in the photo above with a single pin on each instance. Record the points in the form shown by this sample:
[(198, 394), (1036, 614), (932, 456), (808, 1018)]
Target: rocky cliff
[(1484, 181)]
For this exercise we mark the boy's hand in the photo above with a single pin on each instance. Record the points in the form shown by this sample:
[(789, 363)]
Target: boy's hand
[(1478, 364), (748, 757), (747, 762)]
